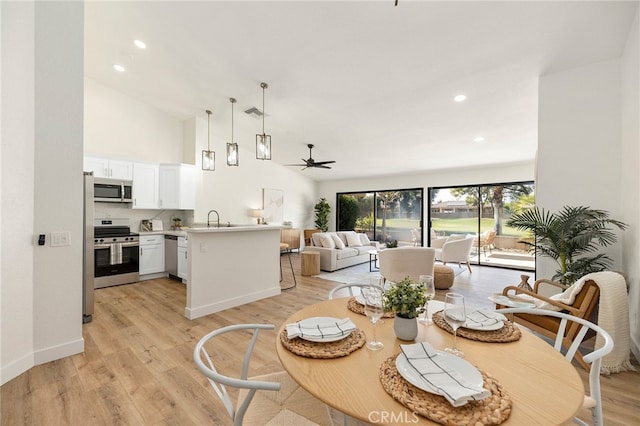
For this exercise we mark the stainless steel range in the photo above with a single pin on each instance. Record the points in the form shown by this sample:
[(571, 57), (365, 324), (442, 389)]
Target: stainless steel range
[(116, 252)]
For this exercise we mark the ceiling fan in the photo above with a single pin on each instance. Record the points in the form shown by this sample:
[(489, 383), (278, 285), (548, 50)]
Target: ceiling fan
[(310, 162)]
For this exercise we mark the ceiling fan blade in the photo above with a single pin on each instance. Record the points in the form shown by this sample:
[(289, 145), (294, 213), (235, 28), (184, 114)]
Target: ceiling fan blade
[(321, 167), (324, 162), (300, 165)]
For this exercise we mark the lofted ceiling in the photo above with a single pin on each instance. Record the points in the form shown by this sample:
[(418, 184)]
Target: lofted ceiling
[(370, 84)]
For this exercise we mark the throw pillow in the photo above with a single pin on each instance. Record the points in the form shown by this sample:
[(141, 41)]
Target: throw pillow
[(338, 242), (364, 239), (353, 240), (327, 241)]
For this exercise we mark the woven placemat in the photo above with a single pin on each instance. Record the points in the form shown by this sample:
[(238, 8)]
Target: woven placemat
[(336, 349), (490, 411), (508, 333), (356, 307)]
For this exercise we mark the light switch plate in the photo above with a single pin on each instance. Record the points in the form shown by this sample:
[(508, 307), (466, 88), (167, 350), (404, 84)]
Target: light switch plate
[(60, 239)]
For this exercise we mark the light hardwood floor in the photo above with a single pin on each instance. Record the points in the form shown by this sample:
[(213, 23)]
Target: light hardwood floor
[(137, 367)]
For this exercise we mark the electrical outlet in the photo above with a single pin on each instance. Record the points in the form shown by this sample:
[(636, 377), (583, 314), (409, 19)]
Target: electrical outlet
[(60, 239), (203, 247)]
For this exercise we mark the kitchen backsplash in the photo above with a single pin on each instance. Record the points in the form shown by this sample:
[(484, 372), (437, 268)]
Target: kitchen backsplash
[(135, 216)]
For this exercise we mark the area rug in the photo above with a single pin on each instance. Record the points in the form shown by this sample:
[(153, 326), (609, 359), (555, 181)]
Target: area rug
[(359, 274)]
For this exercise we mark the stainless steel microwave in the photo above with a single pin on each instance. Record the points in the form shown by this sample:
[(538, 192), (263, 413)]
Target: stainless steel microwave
[(112, 190)]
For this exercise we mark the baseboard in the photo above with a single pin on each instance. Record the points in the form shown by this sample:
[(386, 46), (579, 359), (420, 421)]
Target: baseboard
[(16, 368), (59, 351), (200, 311)]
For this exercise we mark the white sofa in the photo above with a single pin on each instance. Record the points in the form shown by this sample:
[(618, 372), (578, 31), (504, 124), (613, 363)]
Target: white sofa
[(341, 249)]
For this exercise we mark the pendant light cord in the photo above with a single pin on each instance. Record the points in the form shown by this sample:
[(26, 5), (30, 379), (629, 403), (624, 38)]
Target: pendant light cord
[(264, 86), (233, 101), (208, 129)]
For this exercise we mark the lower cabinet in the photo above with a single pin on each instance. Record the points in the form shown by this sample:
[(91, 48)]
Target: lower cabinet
[(182, 258), (151, 254)]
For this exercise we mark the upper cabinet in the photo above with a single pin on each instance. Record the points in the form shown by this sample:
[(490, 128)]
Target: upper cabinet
[(145, 185), (155, 186), (107, 168), (177, 186)]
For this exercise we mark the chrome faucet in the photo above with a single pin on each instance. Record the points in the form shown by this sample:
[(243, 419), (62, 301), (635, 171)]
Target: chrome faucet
[(217, 215)]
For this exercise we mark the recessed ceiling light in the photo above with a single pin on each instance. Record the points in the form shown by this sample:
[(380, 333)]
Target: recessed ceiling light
[(459, 98), (141, 44), (118, 68), (478, 139)]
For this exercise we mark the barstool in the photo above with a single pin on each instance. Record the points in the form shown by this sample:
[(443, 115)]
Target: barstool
[(284, 248)]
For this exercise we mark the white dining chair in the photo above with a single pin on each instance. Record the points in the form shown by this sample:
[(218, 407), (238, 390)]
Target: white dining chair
[(349, 287), (284, 403), (593, 401)]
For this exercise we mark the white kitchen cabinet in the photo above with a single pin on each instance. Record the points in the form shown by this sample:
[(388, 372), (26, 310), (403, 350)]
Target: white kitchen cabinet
[(151, 254), (108, 168), (182, 257), (145, 185), (177, 186)]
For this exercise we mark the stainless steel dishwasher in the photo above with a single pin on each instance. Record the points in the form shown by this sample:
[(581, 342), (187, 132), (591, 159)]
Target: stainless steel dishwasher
[(171, 256)]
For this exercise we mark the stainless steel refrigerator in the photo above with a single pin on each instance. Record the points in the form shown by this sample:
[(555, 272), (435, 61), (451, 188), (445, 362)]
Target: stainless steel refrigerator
[(88, 253)]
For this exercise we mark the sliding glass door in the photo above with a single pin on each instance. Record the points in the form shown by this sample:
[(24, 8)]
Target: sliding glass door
[(482, 211), (385, 216)]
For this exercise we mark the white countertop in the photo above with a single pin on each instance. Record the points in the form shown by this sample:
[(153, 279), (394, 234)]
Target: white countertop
[(232, 228), (167, 232)]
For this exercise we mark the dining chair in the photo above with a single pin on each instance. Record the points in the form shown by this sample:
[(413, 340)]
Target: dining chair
[(283, 402), (593, 401), (349, 287)]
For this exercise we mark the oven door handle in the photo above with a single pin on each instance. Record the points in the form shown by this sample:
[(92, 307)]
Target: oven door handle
[(102, 246), (133, 244)]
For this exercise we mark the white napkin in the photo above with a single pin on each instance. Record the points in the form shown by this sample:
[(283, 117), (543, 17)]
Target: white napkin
[(434, 369), (483, 318), (320, 329)]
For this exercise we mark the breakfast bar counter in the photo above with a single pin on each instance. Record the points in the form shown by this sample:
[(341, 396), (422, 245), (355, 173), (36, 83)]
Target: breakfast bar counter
[(228, 266)]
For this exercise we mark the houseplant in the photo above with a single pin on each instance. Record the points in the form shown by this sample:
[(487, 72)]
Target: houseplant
[(406, 299), (322, 209), (571, 237)]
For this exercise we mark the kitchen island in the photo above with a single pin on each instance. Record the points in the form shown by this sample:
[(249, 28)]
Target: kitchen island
[(231, 266)]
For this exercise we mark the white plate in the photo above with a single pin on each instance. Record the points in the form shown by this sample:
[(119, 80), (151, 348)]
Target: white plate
[(466, 370), (492, 327), (360, 299), (320, 321)]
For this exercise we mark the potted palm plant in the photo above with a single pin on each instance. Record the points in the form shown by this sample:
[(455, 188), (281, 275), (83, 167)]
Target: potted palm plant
[(571, 237), (322, 209), (406, 299)]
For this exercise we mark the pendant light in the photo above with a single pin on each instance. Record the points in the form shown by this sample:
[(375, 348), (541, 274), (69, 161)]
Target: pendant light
[(208, 156), (232, 147), (263, 141)]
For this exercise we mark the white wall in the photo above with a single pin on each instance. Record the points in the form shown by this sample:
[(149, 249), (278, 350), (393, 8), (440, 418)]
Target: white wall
[(450, 177), (630, 187), (42, 102), (579, 149), (16, 213), (119, 126)]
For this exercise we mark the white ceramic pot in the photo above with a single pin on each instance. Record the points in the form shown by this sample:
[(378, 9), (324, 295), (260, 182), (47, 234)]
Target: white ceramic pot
[(405, 328)]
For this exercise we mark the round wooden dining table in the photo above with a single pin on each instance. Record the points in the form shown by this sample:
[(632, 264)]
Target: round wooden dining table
[(545, 389)]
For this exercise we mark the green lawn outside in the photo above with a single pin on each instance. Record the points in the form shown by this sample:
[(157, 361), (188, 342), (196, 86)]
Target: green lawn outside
[(470, 226)]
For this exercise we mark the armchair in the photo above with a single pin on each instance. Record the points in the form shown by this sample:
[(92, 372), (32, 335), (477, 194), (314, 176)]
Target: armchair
[(453, 249), (584, 305), (398, 263), (485, 240)]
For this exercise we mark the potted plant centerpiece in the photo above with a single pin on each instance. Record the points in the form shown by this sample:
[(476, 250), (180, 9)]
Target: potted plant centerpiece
[(406, 299)]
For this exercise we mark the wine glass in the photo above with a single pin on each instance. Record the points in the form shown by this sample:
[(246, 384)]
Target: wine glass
[(374, 309), (429, 292), (455, 316)]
